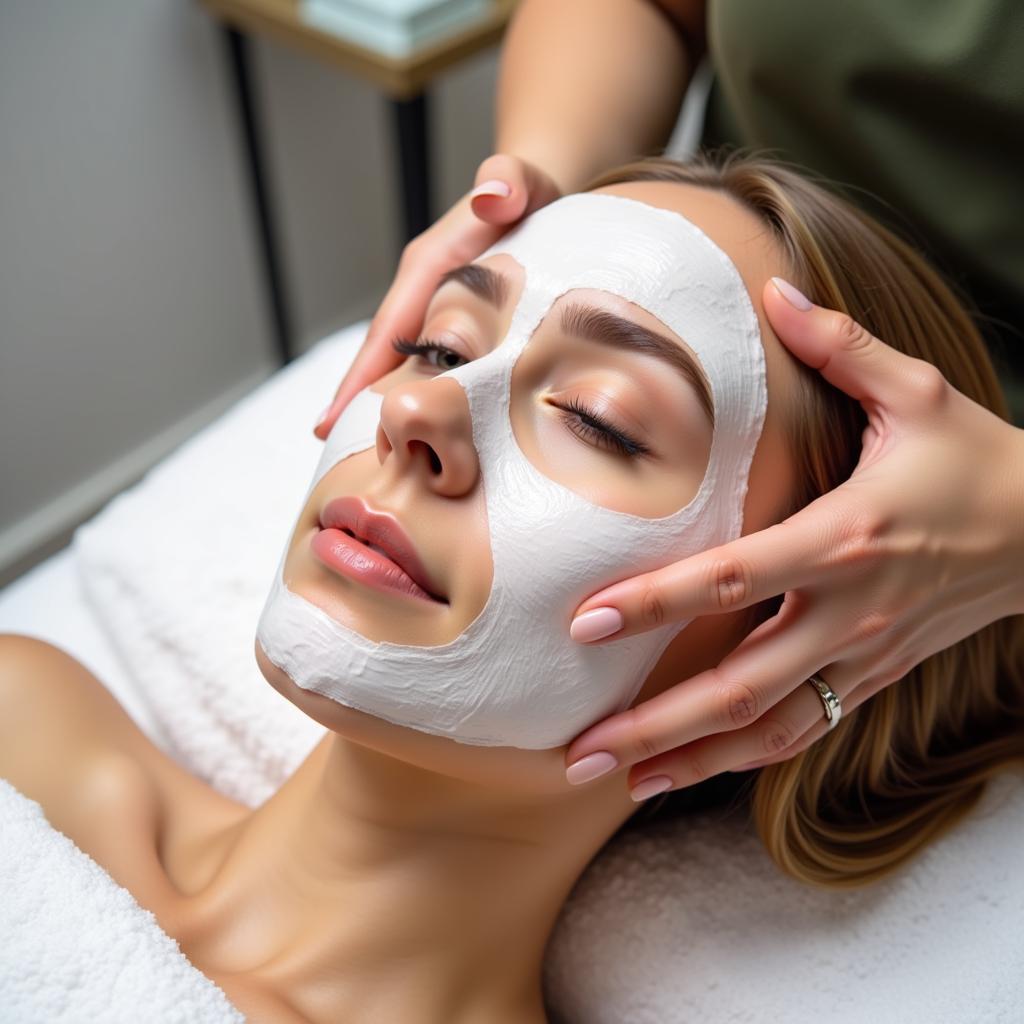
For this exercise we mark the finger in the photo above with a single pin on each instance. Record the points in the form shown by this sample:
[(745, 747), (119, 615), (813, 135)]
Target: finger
[(790, 554), (500, 192), (810, 737), (375, 359), (457, 238), (400, 315), (778, 735), (508, 188), (786, 730), (861, 694), (765, 668), (847, 354)]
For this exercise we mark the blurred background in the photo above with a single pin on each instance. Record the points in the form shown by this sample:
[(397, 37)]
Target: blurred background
[(133, 306)]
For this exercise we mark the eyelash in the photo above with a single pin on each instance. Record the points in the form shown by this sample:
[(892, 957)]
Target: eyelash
[(422, 346), (583, 422), (586, 424)]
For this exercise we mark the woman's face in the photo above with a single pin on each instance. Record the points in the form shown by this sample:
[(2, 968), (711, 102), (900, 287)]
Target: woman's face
[(605, 400)]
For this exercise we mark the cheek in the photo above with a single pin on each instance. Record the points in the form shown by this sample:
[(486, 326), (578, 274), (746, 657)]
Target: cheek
[(700, 646), (772, 480), (773, 473)]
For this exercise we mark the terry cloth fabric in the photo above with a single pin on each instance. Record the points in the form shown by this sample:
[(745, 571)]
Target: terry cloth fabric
[(76, 947)]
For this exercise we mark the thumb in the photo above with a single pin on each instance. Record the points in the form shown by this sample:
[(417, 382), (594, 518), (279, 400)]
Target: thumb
[(400, 313), (508, 189), (845, 353)]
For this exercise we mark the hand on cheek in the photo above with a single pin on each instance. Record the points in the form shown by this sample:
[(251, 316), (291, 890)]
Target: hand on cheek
[(878, 574)]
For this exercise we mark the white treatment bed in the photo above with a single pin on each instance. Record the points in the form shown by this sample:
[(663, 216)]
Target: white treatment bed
[(686, 920)]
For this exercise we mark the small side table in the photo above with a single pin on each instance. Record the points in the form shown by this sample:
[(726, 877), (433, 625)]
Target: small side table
[(403, 81)]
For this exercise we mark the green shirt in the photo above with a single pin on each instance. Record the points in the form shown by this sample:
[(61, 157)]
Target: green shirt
[(919, 103)]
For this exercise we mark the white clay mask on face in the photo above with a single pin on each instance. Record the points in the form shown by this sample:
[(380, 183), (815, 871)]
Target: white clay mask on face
[(514, 677)]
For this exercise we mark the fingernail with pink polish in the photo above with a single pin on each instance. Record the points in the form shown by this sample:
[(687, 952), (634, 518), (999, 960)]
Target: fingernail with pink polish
[(793, 296), (323, 416), (650, 787), (492, 187), (596, 624), (591, 767)]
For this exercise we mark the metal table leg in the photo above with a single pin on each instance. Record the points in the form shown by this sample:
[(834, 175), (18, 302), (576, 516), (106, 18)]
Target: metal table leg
[(410, 119), (236, 46)]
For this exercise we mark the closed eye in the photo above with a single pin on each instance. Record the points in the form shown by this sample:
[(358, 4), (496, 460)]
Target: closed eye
[(586, 424), (591, 427)]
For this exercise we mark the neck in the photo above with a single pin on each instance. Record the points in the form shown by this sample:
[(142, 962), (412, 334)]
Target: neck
[(374, 888)]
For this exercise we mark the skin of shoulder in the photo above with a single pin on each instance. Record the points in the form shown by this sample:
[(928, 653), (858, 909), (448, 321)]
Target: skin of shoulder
[(65, 741)]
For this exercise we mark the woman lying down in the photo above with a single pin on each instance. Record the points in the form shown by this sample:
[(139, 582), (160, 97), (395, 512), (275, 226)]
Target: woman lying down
[(598, 395)]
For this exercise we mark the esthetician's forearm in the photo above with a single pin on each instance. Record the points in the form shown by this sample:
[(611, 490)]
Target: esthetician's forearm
[(586, 84)]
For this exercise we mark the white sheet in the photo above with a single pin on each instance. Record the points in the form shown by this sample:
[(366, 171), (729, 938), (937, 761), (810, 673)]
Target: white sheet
[(686, 921)]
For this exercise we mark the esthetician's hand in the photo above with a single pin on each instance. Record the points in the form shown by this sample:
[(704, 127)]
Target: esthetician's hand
[(921, 547), (506, 190)]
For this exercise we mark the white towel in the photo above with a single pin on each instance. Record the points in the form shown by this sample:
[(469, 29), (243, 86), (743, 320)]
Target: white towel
[(178, 567), (682, 922), (75, 947), (687, 921)]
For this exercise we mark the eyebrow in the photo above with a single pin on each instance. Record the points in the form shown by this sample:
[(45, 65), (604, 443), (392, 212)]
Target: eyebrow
[(482, 281), (593, 324)]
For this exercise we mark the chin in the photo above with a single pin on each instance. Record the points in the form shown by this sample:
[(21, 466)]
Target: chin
[(329, 713), (501, 768)]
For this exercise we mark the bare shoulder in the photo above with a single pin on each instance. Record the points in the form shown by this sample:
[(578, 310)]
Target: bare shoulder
[(65, 741)]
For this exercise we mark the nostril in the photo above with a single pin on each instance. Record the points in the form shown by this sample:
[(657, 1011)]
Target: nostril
[(432, 457)]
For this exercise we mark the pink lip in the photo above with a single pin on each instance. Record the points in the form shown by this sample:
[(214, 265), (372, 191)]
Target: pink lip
[(348, 540)]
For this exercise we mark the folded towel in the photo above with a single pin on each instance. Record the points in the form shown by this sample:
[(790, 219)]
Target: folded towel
[(687, 920), (75, 947), (178, 567)]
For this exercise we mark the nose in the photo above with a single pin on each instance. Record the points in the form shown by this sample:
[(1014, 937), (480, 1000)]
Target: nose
[(426, 427)]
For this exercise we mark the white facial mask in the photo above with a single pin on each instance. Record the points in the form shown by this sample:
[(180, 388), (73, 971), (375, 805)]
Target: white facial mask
[(514, 677)]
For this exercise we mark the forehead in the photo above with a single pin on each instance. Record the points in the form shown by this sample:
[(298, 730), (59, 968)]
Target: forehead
[(619, 240), (747, 240), (740, 233), (695, 258)]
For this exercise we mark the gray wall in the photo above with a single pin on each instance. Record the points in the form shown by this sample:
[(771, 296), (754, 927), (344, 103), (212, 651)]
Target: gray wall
[(131, 310)]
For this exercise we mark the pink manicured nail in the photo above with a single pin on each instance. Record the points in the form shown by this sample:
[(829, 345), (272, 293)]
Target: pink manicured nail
[(323, 416), (588, 768), (793, 296), (650, 787), (492, 187), (596, 624)]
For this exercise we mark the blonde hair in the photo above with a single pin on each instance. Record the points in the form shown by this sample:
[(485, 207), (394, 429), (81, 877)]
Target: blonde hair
[(909, 763)]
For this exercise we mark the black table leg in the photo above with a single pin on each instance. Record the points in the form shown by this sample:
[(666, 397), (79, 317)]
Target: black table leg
[(413, 163), (236, 45)]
